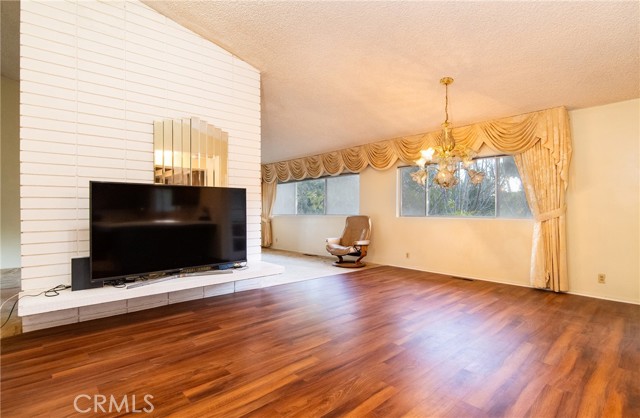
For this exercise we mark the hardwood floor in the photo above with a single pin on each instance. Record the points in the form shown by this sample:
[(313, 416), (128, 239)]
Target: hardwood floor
[(383, 342)]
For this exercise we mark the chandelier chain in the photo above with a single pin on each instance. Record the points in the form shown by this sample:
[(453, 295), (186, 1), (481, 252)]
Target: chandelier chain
[(446, 102)]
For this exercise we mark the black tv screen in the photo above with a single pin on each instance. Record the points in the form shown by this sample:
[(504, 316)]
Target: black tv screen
[(141, 229)]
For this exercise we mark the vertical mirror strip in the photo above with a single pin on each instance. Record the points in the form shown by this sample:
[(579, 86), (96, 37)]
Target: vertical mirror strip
[(202, 172), (195, 151), (186, 151), (177, 152), (158, 149), (211, 152), (223, 153), (167, 154)]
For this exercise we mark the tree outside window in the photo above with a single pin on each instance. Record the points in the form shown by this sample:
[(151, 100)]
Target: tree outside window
[(338, 195), (499, 195)]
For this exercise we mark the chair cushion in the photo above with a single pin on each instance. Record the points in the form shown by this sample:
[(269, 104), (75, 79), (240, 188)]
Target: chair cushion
[(337, 249)]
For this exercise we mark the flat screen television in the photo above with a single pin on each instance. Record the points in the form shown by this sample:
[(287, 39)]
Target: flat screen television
[(149, 229)]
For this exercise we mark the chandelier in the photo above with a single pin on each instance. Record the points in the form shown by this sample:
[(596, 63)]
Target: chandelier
[(446, 154)]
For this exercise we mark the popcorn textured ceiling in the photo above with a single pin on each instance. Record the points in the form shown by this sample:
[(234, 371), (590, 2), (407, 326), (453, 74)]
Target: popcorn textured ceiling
[(338, 74)]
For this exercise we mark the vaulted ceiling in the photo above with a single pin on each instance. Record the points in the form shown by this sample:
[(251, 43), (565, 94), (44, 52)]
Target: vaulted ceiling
[(342, 73), (337, 74)]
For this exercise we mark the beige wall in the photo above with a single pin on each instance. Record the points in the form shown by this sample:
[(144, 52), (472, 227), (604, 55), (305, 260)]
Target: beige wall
[(603, 211), (10, 155), (305, 234), (603, 232), (489, 249)]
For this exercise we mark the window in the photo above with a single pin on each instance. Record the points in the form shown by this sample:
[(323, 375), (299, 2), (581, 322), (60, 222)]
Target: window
[(285, 203), (326, 196), (500, 195), (310, 196)]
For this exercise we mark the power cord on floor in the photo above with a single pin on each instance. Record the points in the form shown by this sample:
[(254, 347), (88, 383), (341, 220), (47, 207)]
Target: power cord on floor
[(54, 291)]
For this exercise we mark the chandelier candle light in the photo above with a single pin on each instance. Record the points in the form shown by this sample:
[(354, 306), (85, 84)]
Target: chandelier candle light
[(446, 154)]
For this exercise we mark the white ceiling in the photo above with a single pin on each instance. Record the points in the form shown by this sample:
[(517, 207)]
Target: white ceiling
[(337, 74)]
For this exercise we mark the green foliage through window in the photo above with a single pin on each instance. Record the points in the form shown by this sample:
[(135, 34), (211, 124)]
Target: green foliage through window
[(310, 197), (338, 195), (501, 194)]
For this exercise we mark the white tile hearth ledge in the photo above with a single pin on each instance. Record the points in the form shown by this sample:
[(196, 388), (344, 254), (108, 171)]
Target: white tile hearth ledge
[(82, 305), (276, 268)]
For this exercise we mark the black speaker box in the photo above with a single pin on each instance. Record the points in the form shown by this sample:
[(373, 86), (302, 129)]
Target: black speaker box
[(80, 276)]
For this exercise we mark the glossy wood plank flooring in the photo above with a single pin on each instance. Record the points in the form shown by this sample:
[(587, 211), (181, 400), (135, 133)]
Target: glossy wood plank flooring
[(384, 342)]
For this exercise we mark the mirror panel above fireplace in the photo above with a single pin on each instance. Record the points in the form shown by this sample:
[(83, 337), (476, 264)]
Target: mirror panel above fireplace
[(190, 151)]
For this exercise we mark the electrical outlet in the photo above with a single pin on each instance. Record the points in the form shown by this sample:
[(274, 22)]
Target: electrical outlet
[(602, 278)]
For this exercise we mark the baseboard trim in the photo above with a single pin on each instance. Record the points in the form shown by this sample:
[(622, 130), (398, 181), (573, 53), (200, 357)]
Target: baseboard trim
[(457, 276)]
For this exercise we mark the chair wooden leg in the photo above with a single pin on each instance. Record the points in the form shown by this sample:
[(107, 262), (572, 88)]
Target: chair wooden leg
[(363, 253)]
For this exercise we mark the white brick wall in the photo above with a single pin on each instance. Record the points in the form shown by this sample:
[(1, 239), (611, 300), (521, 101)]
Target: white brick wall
[(95, 75)]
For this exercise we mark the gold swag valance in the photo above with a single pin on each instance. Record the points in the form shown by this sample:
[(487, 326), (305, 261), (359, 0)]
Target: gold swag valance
[(512, 135)]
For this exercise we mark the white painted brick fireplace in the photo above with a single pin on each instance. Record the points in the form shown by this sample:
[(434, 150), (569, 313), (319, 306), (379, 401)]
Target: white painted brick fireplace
[(94, 77)]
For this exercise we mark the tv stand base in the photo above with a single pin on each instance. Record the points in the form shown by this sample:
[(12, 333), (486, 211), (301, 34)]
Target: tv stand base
[(176, 276), (83, 305)]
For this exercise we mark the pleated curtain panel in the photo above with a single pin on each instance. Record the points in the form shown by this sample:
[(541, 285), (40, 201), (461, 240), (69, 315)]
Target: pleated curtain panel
[(539, 141), (268, 199)]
